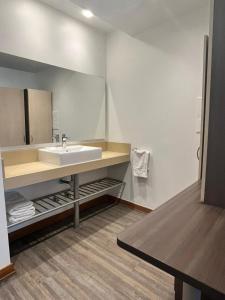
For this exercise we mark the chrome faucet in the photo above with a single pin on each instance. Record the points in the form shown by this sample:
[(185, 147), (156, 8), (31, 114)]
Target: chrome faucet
[(64, 140), (55, 135)]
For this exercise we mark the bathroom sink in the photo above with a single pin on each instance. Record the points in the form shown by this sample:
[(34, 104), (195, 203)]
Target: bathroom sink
[(69, 155)]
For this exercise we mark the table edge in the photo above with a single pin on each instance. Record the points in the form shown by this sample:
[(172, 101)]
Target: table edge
[(170, 270)]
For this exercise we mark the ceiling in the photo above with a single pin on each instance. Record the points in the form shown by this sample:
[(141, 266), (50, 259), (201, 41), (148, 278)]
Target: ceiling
[(131, 16), (70, 8)]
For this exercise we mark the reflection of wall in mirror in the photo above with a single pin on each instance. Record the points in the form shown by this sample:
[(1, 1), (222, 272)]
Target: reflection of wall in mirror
[(78, 100), (78, 103), (12, 119), (38, 110), (25, 117)]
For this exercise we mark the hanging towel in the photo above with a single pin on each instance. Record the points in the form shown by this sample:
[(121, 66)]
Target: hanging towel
[(140, 163)]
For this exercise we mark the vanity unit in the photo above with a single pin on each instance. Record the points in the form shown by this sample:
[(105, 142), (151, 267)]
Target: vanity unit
[(56, 105), (24, 168)]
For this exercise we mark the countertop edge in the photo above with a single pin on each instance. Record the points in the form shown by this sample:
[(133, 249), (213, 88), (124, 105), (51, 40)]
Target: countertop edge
[(54, 173)]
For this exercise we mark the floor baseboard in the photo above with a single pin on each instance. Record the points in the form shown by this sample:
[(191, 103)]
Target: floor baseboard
[(131, 205), (7, 271), (136, 206)]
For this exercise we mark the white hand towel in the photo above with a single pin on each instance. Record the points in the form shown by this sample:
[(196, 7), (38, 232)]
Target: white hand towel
[(17, 205), (21, 212), (17, 219), (140, 163)]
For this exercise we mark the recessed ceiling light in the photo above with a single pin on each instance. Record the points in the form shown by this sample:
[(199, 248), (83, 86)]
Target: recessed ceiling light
[(87, 13)]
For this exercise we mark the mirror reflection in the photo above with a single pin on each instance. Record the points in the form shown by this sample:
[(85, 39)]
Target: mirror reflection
[(40, 103)]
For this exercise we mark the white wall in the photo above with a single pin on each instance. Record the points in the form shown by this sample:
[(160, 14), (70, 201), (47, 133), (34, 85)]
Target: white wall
[(153, 86), (4, 249), (32, 30)]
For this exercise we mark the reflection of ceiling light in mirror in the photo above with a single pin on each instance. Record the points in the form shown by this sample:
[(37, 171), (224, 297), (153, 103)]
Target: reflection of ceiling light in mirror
[(87, 13)]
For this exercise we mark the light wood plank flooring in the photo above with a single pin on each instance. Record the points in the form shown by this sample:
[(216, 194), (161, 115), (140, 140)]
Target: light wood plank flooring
[(87, 264)]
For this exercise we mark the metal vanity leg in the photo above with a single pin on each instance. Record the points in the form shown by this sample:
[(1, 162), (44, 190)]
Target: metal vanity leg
[(122, 190), (76, 214), (75, 183)]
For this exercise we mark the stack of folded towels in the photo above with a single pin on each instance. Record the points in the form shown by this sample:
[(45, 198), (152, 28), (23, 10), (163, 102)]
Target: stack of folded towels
[(18, 208)]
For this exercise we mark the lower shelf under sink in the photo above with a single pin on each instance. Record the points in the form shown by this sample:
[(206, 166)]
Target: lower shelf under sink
[(53, 204)]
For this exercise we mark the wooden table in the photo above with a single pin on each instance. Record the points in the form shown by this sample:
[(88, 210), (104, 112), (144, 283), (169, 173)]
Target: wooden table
[(186, 239)]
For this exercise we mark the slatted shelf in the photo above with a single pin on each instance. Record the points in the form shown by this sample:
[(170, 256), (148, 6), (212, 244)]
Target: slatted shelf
[(53, 204)]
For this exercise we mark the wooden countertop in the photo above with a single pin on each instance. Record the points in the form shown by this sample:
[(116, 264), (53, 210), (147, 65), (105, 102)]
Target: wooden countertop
[(35, 172), (186, 239)]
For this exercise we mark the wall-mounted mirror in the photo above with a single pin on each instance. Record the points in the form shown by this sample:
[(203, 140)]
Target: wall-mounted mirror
[(40, 102)]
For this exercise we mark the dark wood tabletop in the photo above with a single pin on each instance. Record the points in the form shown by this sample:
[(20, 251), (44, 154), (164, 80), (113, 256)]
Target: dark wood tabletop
[(186, 239)]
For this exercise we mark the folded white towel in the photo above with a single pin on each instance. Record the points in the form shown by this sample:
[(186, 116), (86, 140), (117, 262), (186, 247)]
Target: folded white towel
[(140, 163), (21, 212), (17, 219), (16, 205), (19, 207)]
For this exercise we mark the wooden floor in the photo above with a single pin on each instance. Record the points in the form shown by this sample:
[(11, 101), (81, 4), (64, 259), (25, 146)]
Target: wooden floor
[(86, 263)]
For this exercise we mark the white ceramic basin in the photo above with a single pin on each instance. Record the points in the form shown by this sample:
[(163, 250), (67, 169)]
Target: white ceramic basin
[(69, 155)]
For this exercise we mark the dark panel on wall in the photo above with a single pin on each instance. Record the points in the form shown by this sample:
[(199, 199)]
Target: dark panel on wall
[(215, 168), (27, 127)]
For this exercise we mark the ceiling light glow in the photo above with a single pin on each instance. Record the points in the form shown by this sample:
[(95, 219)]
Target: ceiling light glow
[(87, 13)]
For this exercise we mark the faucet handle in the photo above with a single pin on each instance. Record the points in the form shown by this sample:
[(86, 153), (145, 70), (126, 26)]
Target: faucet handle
[(56, 137), (64, 136)]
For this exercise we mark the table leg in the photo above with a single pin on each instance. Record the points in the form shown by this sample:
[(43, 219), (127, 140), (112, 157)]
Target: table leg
[(190, 293), (183, 291), (178, 287)]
